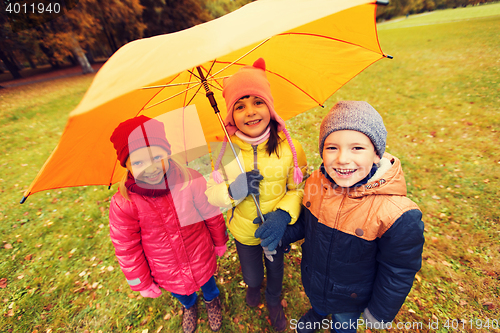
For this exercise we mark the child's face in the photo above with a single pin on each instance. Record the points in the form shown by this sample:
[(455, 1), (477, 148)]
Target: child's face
[(251, 115), (348, 157), (148, 164)]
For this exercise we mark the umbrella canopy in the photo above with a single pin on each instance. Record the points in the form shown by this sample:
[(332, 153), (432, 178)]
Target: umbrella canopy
[(311, 49)]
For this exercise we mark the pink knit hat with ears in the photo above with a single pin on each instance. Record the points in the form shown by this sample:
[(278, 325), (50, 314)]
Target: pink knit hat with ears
[(251, 80)]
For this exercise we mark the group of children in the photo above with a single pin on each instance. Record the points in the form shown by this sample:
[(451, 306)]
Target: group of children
[(363, 237)]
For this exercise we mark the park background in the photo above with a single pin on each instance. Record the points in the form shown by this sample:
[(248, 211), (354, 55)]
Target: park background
[(440, 100)]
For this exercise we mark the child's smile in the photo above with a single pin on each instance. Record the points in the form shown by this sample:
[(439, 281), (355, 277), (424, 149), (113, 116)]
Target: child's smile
[(253, 122), (151, 178), (348, 157), (148, 164), (345, 172), (251, 115)]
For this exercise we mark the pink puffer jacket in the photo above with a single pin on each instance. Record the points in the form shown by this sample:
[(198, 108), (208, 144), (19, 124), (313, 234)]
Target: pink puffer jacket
[(169, 239)]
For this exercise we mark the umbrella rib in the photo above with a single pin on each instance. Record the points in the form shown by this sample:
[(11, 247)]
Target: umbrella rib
[(212, 77), (296, 86), (205, 80), (183, 83), (156, 94), (215, 87), (211, 67), (169, 85), (183, 118), (278, 75), (316, 35), (244, 55), (189, 102), (326, 37), (169, 98)]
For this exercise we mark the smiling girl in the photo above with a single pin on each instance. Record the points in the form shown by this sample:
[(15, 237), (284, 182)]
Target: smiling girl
[(164, 231), (274, 164)]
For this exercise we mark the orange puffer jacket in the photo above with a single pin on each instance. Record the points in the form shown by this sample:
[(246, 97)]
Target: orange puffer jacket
[(362, 246), (168, 239)]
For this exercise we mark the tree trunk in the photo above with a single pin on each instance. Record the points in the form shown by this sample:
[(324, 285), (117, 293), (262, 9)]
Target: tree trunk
[(10, 66), (81, 57), (50, 55), (14, 60), (110, 38), (107, 32), (90, 55), (28, 57), (72, 59)]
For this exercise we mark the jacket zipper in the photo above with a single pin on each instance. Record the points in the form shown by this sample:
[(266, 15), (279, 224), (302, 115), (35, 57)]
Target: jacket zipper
[(255, 156), (337, 218), (255, 168)]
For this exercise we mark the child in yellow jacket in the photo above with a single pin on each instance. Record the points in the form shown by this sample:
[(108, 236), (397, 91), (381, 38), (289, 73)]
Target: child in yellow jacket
[(273, 163)]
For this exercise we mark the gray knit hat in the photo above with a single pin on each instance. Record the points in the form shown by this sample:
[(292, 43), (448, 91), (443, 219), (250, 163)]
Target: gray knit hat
[(357, 116)]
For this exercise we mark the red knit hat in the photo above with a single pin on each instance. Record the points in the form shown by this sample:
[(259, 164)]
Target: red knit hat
[(138, 132)]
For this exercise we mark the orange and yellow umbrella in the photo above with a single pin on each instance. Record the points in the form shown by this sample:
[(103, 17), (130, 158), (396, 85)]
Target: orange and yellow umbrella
[(311, 49)]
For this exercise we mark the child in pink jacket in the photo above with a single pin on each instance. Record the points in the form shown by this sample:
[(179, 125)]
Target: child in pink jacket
[(164, 231)]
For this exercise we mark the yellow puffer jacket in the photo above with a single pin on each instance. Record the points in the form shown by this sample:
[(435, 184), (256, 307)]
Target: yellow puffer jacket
[(277, 189)]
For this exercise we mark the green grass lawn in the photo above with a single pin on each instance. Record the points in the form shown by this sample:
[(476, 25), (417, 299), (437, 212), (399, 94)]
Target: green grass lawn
[(440, 100), (442, 16)]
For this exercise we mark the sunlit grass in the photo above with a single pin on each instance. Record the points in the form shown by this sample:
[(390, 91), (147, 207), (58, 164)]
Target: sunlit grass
[(440, 101), (443, 16)]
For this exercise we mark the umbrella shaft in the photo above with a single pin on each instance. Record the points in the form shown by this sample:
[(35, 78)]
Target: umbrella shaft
[(259, 212), (213, 103)]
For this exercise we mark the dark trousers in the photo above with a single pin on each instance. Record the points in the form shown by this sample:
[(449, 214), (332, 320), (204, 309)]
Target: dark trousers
[(252, 263), (210, 291)]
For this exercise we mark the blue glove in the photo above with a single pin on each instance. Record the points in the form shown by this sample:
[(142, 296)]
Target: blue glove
[(272, 230), (245, 184)]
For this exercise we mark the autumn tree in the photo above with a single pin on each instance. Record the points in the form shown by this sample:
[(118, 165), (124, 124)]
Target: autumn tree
[(165, 16), (101, 26), (7, 46), (86, 25), (218, 8), (404, 7), (9, 43), (120, 21)]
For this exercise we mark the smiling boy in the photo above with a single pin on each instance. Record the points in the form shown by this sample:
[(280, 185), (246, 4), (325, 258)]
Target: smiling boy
[(363, 237)]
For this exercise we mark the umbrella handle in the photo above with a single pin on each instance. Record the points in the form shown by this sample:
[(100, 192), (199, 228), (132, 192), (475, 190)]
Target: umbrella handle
[(259, 212)]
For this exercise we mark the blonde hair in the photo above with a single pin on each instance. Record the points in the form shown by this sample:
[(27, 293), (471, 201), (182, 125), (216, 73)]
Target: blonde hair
[(185, 175)]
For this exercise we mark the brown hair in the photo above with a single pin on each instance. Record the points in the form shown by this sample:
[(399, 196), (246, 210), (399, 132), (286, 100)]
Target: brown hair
[(274, 138)]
